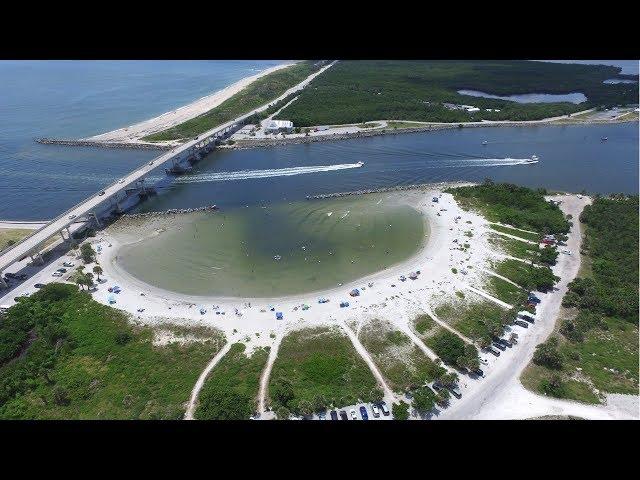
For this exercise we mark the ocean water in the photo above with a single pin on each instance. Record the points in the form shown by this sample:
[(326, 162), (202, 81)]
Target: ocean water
[(80, 98), (71, 99)]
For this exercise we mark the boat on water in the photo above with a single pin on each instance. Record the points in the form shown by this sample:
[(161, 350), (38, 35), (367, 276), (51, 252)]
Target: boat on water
[(360, 163), (604, 139), (485, 142)]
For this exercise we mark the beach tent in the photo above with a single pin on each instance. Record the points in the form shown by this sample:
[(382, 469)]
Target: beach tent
[(111, 298)]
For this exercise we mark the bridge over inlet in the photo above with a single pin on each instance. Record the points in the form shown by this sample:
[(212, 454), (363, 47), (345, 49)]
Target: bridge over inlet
[(111, 197)]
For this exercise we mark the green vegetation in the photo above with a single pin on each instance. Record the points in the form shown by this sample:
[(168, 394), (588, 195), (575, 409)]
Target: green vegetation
[(317, 368), (529, 277), (260, 92), (87, 253), (534, 237), (401, 362), (423, 324), (400, 411), (518, 206), (479, 320), (359, 91), (230, 392), (453, 351), (424, 399), (65, 356), (9, 236), (505, 291), (595, 348)]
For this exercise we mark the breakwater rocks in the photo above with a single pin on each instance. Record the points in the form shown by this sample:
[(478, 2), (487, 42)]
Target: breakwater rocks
[(398, 188), (92, 143), (171, 211)]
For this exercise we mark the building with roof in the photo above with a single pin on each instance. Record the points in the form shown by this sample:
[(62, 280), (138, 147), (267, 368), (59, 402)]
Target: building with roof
[(277, 126)]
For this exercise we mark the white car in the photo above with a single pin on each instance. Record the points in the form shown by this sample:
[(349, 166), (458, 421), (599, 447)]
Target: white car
[(375, 410), (353, 414), (121, 180), (71, 217), (566, 252), (57, 274)]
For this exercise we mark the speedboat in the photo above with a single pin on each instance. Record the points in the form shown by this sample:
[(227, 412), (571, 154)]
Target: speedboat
[(485, 142), (360, 163), (604, 139), (534, 157)]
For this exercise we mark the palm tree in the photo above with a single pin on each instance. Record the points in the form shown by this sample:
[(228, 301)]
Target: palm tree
[(98, 271)]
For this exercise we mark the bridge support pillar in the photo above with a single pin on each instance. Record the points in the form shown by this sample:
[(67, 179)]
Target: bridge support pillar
[(3, 283)]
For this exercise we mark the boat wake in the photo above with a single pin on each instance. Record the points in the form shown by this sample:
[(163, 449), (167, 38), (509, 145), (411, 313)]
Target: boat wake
[(490, 162), (275, 172)]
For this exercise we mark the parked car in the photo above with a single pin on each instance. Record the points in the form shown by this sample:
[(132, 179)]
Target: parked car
[(499, 345), (385, 410), (102, 193), (521, 323), (436, 386), (479, 372), (527, 318), (504, 342), (62, 270), (343, 415), (455, 391), (334, 415), (375, 410), (57, 274), (39, 285), (493, 351), (68, 264), (353, 414), (151, 162), (71, 217), (363, 412)]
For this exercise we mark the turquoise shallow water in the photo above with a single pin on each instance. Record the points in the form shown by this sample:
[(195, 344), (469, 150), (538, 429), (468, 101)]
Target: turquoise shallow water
[(285, 249)]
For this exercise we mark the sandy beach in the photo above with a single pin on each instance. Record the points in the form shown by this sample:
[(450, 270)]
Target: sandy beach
[(133, 133), (384, 296)]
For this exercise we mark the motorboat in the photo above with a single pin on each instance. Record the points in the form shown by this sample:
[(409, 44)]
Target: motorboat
[(360, 163), (485, 142), (604, 139)]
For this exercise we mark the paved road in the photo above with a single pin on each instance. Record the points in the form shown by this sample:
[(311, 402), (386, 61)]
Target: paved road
[(32, 242)]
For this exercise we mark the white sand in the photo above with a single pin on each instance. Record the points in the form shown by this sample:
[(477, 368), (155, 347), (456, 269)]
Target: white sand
[(133, 133), (499, 395)]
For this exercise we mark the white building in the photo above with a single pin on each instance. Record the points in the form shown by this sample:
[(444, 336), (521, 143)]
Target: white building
[(275, 126)]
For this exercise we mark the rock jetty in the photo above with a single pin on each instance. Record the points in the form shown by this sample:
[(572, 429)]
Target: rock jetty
[(91, 143), (398, 188), (171, 211)]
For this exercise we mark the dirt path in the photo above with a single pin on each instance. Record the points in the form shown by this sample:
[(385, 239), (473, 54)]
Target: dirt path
[(487, 296), (494, 274), (191, 407), (513, 228), (266, 374), (514, 237), (389, 397), (427, 309)]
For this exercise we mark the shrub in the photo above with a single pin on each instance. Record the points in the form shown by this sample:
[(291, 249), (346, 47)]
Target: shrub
[(400, 411)]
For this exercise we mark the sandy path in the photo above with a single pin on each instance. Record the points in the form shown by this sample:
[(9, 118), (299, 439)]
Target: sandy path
[(266, 374), (389, 397), (191, 407), (487, 296), (427, 309), (513, 228), (134, 133), (514, 237), (497, 275)]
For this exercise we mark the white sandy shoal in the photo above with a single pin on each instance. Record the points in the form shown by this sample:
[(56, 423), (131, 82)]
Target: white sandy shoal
[(133, 133)]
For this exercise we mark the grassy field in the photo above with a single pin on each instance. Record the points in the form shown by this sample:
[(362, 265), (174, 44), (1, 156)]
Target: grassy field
[(403, 364), (260, 92), (505, 291), (231, 390), (355, 91), (534, 237), (473, 319), (515, 248), (424, 325), (529, 277), (8, 236), (65, 356), (317, 368)]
